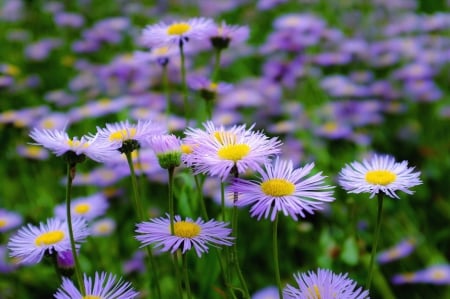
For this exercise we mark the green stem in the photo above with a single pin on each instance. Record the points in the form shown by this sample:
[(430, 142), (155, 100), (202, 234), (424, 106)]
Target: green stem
[(275, 256), (183, 81), (375, 240), (215, 75), (177, 274), (140, 215), (71, 170), (165, 79), (171, 209), (186, 275)]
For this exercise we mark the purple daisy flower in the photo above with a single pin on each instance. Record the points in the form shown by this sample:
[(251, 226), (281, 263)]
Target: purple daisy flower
[(187, 234), (437, 274), (222, 35), (103, 227), (324, 284), (168, 150), (400, 250), (103, 285), (60, 143), (9, 220), (88, 207), (217, 151), (31, 242), (281, 188), (379, 174), (177, 32)]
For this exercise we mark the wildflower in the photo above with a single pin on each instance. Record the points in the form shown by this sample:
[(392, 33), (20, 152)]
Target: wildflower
[(9, 220), (103, 285), (222, 35), (89, 207), (65, 263), (187, 234), (380, 173), (270, 292), (324, 284), (128, 137), (103, 227), (208, 89), (282, 188), (31, 242), (59, 142), (437, 274), (400, 250), (168, 150), (218, 151), (176, 33)]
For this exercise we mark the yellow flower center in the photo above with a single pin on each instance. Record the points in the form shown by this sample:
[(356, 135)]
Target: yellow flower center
[(34, 151), (185, 229), (439, 274), (380, 177), (277, 187), (161, 50), (178, 28), (91, 297), (122, 135), (233, 152), (49, 238), (186, 149), (213, 86), (76, 143), (82, 208), (104, 228), (3, 223)]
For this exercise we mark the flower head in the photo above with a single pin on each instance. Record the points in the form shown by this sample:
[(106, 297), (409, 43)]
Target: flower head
[(59, 142), (324, 284), (222, 35), (187, 234), (103, 227), (176, 33), (9, 220), (168, 150), (103, 285), (281, 188), (379, 174), (127, 137), (89, 207), (400, 250), (437, 274), (217, 151), (31, 242)]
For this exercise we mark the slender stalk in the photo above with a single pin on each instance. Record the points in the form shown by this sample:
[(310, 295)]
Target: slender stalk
[(171, 209), (375, 240), (140, 215), (71, 171), (186, 275), (217, 55), (275, 256), (183, 81), (176, 265)]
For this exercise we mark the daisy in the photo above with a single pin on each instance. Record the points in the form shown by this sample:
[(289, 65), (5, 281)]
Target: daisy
[(187, 234), (31, 242), (281, 188), (380, 173), (168, 150), (436, 274), (88, 207), (400, 250), (222, 35), (128, 137), (103, 285), (219, 151), (324, 284), (176, 33), (59, 142), (103, 227), (9, 220)]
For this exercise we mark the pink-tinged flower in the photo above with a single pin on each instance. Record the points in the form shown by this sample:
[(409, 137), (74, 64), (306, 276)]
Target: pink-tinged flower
[(60, 143), (88, 207), (103, 285), (176, 32), (437, 274), (168, 150), (222, 35), (324, 284), (31, 242), (400, 250), (281, 188), (124, 136), (379, 174), (9, 220), (218, 151), (187, 234)]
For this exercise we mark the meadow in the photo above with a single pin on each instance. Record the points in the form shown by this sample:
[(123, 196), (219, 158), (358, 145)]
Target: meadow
[(220, 149)]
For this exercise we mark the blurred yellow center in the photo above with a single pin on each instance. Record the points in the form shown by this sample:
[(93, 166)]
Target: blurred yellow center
[(439, 274), (380, 177), (186, 149), (76, 143), (213, 86), (178, 28), (91, 297), (161, 50), (233, 152), (185, 229), (49, 238), (104, 228), (3, 223), (277, 187), (122, 135), (82, 208)]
